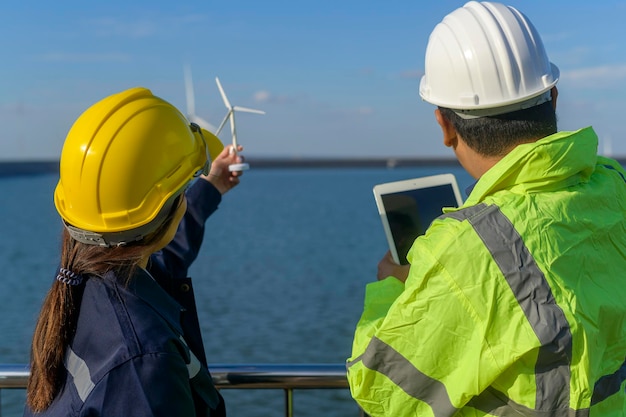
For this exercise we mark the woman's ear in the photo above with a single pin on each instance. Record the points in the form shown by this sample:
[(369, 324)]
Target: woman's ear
[(449, 132)]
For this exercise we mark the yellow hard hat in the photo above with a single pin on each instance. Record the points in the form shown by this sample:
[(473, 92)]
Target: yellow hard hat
[(213, 143), (124, 161)]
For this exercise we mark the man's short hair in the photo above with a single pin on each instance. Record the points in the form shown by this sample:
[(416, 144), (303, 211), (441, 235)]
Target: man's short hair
[(497, 135)]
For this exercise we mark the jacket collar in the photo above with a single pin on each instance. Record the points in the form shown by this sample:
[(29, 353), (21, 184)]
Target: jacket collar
[(554, 162), (146, 288)]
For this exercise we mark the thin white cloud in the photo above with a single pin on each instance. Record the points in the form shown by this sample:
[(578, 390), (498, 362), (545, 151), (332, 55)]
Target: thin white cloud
[(601, 74), (579, 55), (264, 96), (352, 112), (261, 96), (145, 27)]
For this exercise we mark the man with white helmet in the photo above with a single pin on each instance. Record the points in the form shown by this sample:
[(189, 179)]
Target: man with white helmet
[(513, 304)]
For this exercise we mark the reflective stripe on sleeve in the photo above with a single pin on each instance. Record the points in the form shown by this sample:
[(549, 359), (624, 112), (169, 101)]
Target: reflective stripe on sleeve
[(386, 360), (201, 382), (193, 367), (79, 370)]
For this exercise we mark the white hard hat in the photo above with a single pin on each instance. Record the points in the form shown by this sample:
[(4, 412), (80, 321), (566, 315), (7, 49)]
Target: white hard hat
[(485, 59)]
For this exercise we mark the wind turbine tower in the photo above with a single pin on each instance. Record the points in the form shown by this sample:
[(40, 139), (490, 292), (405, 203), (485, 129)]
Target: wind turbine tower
[(191, 103)]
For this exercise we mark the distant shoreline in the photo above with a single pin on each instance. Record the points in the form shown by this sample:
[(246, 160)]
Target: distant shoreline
[(21, 168), (24, 168)]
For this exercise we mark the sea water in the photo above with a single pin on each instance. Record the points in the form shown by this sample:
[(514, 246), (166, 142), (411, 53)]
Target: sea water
[(280, 278)]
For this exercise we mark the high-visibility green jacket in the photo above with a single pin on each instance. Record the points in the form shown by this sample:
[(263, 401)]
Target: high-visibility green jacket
[(515, 303)]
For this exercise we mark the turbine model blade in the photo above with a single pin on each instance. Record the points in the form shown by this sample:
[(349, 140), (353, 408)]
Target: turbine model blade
[(219, 129), (247, 110), (219, 86)]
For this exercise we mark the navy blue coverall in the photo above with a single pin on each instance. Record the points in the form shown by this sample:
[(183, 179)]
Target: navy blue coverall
[(138, 350)]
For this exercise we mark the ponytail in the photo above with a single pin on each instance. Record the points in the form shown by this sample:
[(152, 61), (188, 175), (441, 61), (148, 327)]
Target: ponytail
[(53, 332), (58, 317)]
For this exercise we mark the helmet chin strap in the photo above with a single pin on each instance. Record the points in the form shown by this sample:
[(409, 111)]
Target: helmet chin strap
[(207, 165), (124, 237)]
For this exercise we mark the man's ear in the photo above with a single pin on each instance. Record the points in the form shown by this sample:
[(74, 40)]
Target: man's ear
[(449, 132), (554, 93)]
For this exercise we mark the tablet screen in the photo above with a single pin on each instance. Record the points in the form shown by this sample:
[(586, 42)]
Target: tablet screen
[(407, 208)]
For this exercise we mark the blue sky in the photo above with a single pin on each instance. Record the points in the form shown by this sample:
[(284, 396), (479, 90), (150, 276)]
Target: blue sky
[(336, 78)]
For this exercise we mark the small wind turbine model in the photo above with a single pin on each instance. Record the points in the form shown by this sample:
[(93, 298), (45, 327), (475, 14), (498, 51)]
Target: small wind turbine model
[(230, 115), (191, 103)]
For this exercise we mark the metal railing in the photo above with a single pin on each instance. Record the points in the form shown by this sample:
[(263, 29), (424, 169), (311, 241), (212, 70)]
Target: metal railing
[(287, 377)]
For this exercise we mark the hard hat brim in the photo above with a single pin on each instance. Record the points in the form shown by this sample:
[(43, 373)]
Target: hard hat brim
[(213, 143)]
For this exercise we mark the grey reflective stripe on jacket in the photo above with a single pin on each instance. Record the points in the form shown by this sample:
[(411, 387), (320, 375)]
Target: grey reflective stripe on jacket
[(533, 293), (194, 366), (547, 319), (200, 380), (389, 362), (81, 375)]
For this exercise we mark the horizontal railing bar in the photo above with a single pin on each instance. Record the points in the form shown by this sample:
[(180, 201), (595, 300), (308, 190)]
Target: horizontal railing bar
[(13, 375), (257, 376), (288, 376)]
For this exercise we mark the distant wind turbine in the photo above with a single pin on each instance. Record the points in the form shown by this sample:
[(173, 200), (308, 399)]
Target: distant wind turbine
[(230, 115), (607, 148), (191, 103)]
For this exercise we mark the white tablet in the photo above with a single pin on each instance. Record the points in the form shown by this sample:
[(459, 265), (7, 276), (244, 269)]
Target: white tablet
[(408, 207)]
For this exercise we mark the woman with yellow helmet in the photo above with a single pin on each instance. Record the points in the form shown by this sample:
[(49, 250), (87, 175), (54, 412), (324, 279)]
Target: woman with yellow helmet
[(118, 332)]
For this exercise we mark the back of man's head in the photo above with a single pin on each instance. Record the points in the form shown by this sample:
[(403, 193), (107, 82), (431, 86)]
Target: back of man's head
[(486, 63), (497, 135)]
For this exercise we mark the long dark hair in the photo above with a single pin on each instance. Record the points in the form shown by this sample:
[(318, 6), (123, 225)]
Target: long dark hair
[(58, 317)]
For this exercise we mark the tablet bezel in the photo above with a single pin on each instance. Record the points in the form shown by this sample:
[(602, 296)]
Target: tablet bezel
[(408, 185)]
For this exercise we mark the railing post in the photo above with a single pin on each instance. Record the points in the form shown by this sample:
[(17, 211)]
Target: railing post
[(288, 402)]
